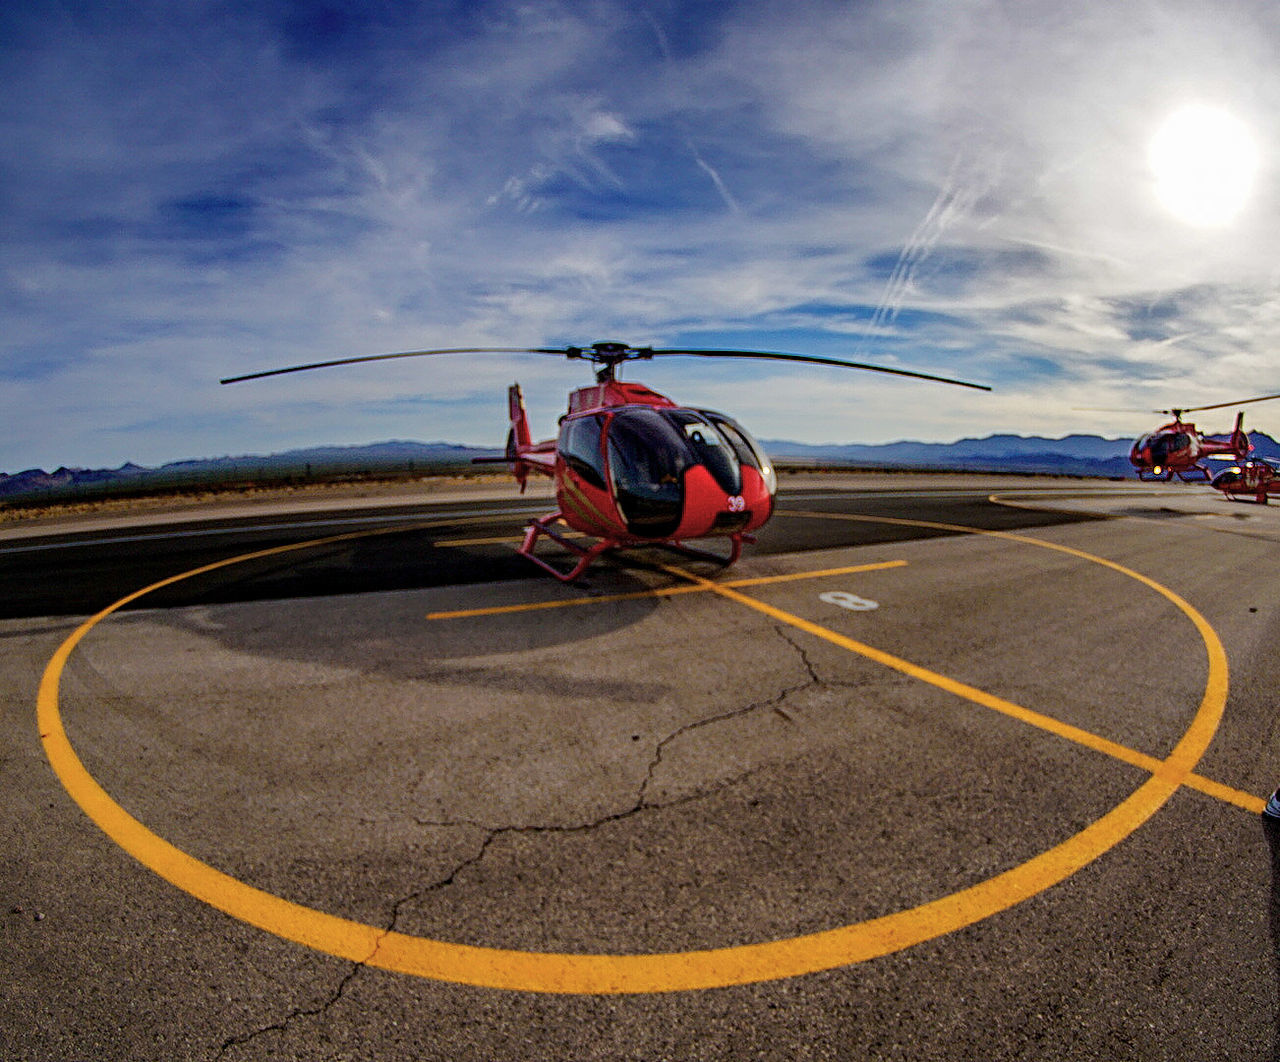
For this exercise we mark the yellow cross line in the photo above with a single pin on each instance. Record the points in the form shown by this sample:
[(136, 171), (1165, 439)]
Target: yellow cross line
[(1156, 767), (1141, 760), (454, 543), (664, 591)]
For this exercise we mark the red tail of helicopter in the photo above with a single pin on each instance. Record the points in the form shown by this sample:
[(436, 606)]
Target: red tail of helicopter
[(1239, 442), (632, 467), (521, 452)]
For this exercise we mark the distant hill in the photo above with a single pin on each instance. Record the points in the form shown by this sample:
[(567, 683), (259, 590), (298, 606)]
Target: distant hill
[(1073, 455), (393, 458), (1081, 455)]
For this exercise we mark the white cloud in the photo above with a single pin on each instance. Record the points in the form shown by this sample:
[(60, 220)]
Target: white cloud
[(958, 187)]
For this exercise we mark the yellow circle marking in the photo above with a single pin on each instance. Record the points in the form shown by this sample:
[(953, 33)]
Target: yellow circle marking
[(631, 973)]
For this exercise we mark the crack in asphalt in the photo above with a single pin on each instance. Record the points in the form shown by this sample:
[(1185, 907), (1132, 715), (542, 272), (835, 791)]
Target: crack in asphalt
[(773, 702), (642, 802), (298, 1013), (491, 834)]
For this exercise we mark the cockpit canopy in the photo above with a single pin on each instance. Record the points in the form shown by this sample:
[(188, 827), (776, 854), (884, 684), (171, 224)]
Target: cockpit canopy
[(642, 454), (1227, 478), (1162, 444)]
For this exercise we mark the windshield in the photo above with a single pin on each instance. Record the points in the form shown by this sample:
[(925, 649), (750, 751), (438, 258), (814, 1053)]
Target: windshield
[(651, 449), (648, 457), (1162, 444)]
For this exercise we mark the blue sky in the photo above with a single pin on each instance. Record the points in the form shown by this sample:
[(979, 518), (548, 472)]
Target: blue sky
[(193, 190)]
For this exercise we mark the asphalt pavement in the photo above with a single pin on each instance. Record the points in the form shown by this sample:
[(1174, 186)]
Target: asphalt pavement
[(942, 768)]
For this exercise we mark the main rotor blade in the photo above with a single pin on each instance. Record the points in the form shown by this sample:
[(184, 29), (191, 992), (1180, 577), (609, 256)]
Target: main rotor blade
[(387, 357), (1179, 410), (1224, 405), (812, 359), (622, 353)]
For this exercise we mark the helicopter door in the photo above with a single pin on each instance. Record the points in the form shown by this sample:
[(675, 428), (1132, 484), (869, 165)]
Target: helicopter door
[(647, 461), (580, 445)]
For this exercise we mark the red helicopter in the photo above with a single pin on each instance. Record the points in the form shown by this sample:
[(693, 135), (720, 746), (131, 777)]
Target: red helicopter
[(632, 467), (1255, 477), (1177, 448)]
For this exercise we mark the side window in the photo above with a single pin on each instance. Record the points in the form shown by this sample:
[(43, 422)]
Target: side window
[(747, 449), (710, 448), (580, 445)]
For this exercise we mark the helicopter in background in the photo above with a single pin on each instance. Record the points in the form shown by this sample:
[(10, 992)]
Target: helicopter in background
[(1257, 477), (632, 467), (1177, 448)]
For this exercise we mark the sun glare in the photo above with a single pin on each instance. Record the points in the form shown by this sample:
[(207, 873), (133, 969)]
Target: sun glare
[(1203, 159)]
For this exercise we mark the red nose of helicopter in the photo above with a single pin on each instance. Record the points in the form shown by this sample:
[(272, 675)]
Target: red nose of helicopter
[(685, 473)]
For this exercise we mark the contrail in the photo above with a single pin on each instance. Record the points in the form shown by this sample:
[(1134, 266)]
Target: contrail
[(954, 201), (706, 168), (664, 47), (1076, 252)]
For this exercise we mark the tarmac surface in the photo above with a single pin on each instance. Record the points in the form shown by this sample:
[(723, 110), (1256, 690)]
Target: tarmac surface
[(944, 767)]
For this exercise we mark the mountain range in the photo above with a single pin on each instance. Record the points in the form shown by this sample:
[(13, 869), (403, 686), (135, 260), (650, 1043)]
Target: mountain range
[(1073, 455)]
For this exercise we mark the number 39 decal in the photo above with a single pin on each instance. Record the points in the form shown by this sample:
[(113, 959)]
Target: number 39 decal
[(737, 503)]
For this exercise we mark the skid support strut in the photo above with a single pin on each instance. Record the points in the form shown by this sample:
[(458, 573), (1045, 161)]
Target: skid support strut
[(544, 525)]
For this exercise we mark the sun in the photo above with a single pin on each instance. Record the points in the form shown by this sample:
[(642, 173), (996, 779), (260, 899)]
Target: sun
[(1204, 160)]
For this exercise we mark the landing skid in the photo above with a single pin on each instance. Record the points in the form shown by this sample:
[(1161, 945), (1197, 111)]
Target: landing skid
[(1195, 474), (735, 550), (545, 525)]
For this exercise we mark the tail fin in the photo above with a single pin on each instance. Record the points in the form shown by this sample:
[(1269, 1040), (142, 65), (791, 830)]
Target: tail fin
[(518, 438), (1240, 443), (519, 419)]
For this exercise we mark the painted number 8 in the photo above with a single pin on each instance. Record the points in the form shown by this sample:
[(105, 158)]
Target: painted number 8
[(849, 601)]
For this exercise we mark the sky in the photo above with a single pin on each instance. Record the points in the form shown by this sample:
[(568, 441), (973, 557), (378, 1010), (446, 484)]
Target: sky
[(1075, 204)]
